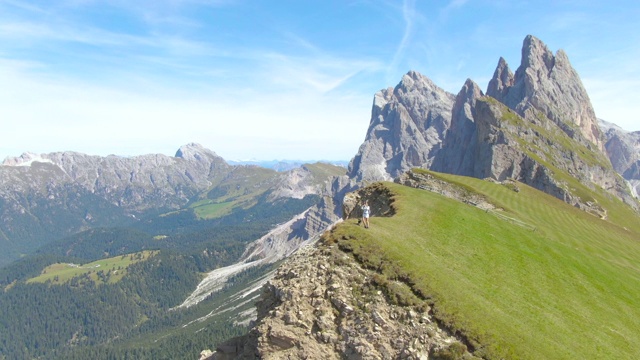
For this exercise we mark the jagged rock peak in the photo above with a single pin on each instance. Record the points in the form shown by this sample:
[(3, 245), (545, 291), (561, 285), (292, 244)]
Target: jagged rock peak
[(548, 85), (407, 126), (536, 54), (469, 91), (414, 79), (502, 77)]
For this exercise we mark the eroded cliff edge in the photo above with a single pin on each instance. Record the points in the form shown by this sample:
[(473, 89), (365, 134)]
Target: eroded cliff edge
[(322, 304)]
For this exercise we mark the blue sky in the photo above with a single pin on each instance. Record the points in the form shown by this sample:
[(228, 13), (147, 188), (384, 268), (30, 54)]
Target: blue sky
[(274, 79)]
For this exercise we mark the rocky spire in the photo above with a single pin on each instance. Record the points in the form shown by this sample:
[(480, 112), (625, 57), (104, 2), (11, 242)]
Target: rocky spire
[(456, 156), (547, 85), (502, 80), (407, 126)]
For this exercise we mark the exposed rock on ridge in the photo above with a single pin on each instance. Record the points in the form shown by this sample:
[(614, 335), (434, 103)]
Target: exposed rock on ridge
[(321, 304), (548, 84)]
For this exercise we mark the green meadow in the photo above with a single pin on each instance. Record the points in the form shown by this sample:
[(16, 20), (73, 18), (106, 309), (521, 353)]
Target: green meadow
[(558, 283), (109, 270)]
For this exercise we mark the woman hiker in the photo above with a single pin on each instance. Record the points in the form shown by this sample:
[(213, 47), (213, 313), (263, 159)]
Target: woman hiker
[(365, 214)]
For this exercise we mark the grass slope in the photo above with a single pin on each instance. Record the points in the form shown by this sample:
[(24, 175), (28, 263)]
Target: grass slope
[(112, 269), (570, 289)]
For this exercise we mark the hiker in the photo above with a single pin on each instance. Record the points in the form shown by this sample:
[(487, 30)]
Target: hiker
[(365, 214)]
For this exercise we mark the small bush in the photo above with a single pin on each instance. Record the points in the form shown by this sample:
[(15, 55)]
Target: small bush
[(455, 351)]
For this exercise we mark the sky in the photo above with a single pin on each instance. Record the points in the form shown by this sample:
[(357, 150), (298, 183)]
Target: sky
[(289, 79)]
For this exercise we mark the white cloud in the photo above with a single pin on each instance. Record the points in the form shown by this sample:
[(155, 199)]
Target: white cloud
[(51, 114)]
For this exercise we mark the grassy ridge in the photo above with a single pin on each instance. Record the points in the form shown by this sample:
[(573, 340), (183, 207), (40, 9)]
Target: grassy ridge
[(568, 290), (113, 269)]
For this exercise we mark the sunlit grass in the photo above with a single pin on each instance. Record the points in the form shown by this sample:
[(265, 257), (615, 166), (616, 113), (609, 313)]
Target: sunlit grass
[(568, 290), (113, 269), (207, 209)]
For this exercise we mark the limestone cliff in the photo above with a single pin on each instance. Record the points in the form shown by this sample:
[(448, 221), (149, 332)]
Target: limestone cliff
[(407, 126), (549, 85), (536, 126)]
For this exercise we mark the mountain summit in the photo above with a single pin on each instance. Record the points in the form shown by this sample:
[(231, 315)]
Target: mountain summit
[(536, 126), (408, 124), (548, 84)]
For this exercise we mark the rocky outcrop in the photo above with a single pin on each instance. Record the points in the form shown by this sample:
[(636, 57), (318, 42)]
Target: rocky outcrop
[(407, 126), (623, 149), (463, 151), (321, 304), (378, 197), (548, 85), (425, 181)]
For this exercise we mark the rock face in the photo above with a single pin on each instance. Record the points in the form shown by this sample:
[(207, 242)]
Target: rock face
[(407, 126), (529, 126), (464, 152), (547, 84), (623, 149), (322, 305)]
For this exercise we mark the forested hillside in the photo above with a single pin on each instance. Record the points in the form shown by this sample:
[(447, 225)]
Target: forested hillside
[(99, 315)]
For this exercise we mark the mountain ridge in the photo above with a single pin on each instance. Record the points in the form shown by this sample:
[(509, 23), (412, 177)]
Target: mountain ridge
[(49, 196), (544, 99)]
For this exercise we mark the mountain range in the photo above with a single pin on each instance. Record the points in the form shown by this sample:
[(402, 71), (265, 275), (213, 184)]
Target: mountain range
[(534, 127), (527, 126), (49, 196)]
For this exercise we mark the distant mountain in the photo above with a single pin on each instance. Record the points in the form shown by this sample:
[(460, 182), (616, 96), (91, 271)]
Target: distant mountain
[(623, 148), (49, 196)]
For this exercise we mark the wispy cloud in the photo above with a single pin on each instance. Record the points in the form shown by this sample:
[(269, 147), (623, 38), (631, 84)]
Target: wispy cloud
[(409, 15), (320, 74)]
